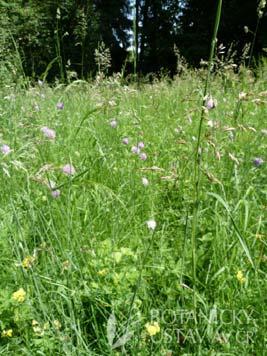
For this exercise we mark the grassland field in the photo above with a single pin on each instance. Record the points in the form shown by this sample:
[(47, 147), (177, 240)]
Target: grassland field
[(97, 200)]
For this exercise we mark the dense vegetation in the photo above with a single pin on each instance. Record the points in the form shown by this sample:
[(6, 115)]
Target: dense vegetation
[(60, 38), (83, 168), (133, 210)]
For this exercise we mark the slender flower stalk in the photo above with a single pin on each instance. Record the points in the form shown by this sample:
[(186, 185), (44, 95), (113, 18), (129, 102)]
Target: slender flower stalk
[(197, 160), (260, 9), (151, 225)]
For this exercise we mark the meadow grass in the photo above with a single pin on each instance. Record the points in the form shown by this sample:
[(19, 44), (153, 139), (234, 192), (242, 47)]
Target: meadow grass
[(91, 268)]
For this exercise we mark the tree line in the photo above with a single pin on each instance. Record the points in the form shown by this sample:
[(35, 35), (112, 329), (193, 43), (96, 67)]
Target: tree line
[(56, 38)]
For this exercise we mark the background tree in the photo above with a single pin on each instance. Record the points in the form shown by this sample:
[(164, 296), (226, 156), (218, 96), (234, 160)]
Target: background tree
[(196, 26), (159, 25), (54, 37)]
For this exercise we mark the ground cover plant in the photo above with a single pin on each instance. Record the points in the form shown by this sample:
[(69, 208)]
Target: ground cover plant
[(97, 205)]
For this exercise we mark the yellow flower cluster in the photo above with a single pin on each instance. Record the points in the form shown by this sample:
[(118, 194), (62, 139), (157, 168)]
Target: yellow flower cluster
[(103, 272), (28, 262), (38, 329), (7, 333), (57, 324), (19, 295), (240, 277), (66, 265), (152, 328)]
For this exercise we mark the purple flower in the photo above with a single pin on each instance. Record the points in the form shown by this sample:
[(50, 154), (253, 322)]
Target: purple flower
[(55, 193), (141, 145), (135, 150), (210, 103), (49, 133), (258, 161), (68, 169), (143, 156), (5, 149), (60, 106), (113, 124), (125, 140)]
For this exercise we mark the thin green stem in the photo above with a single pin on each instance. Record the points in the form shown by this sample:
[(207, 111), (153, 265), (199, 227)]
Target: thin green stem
[(239, 102), (197, 161), (139, 279), (253, 41)]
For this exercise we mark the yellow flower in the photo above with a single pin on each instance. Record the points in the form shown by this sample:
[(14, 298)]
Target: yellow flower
[(7, 333), (46, 326), (103, 272), (240, 277), (28, 262), (152, 328), (19, 295), (57, 324), (65, 265), (38, 330)]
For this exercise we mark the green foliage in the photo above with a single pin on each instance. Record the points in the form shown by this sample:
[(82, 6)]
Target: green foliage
[(70, 32), (35, 34)]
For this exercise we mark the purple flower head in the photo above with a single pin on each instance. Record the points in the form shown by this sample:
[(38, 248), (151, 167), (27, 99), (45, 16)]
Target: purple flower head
[(257, 161), (55, 193), (125, 141), (68, 169), (143, 156), (5, 149), (135, 150), (113, 123), (60, 106), (210, 103), (49, 133), (140, 145)]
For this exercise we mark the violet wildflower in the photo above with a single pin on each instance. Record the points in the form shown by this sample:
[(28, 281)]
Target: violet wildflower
[(143, 156), (141, 145), (5, 149), (60, 105), (68, 169), (113, 123), (135, 150), (258, 161), (210, 103), (125, 140), (151, 224), (55, 193), (49, 133)]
